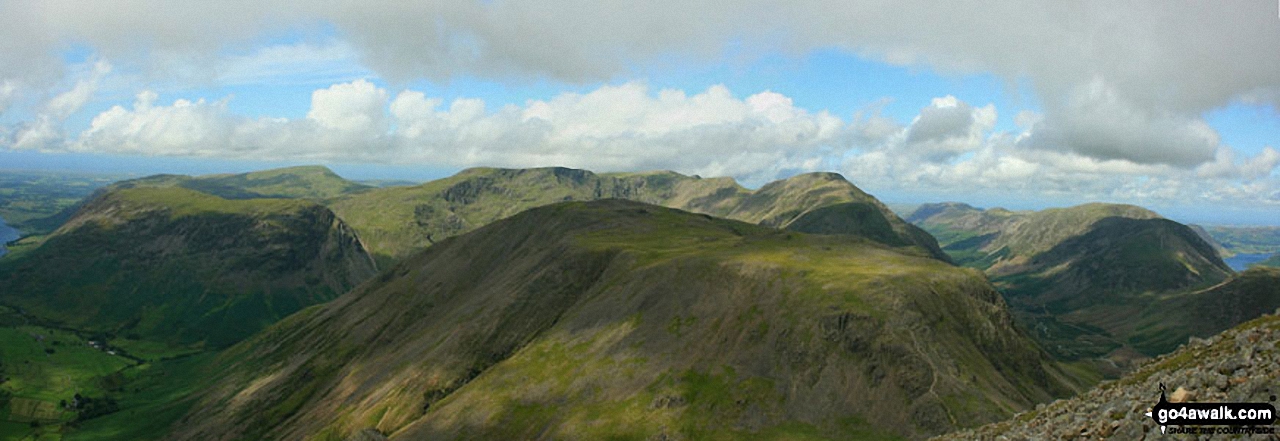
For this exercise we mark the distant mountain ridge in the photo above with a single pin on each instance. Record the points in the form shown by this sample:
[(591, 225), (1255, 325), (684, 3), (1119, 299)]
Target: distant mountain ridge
[(395, 222), (1083, 278), (303, 182), (617, 319), (997, 238), (181, 266)]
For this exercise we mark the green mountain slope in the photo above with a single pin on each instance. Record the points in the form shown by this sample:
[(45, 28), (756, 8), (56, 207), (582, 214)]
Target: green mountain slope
[(396, 222), (620, 320), (999, 241), (181, 266), (1222, 250), (305, 182), (1161, 326), (1116, 257), (1079, 277)]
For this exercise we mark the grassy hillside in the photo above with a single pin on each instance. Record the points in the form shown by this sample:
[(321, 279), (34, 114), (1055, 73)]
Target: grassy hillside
[(304, 182), (1117, 257), (1080, 277), (999, 241), (184, 267), (1222, 250), (396, 222), (1161, 326), (620, 320)]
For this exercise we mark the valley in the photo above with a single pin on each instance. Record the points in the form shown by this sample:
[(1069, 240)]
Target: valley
[(1099, 281)]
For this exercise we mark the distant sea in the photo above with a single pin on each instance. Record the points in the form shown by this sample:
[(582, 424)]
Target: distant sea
[(1241, 262), (7, 234)]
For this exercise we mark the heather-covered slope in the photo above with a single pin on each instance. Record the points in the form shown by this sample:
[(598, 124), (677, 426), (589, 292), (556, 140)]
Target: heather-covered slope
[(180, 266), (396, 222), (615, 319)]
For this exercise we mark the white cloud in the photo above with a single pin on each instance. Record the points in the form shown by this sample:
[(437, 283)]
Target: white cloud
[(999, 164), (1097, 122), (947, 128), (625, 127), (359, 107), (44, 131), (951, 147), (197, 128), (1123, 81), (69, 102)]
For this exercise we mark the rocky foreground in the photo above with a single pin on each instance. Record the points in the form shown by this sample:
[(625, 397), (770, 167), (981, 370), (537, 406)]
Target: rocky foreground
[(1239, 365)]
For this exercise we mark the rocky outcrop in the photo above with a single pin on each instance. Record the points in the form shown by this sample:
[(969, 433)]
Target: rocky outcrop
[(1237, 366)]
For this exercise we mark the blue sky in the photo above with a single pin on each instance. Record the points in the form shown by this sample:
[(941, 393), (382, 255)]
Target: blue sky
[(1016, 104)]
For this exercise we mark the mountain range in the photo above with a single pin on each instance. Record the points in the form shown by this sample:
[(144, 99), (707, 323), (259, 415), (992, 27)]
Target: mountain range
[(398, 221), (556, 303)]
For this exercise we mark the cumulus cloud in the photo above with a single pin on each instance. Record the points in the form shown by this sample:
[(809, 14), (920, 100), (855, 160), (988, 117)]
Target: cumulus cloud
[(889, 157), (948, 127), (1097, 122), (624, 127), (950, 146), (358, 107)]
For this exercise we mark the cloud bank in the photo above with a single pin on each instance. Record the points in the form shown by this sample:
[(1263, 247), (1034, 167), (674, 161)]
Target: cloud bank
[(949, 145), (1118, 81)]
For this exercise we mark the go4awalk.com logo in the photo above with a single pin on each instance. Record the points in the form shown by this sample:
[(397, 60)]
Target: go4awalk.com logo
[(1241, 418)]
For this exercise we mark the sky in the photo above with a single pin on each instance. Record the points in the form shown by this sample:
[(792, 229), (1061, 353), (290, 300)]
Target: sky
[(1173, 105)]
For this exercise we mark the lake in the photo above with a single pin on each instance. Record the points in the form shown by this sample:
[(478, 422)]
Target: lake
[(7, 234), (1241, 262)]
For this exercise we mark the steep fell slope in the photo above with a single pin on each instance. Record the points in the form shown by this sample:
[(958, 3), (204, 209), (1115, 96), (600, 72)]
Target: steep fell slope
[(1162, 325), (616, 319), (181, 266), (396, 222), (1081, 277), (1117, 256), (1000, 241)]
